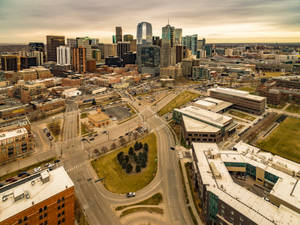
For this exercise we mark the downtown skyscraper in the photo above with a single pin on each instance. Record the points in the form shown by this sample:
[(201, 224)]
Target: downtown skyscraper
[(144, 33)]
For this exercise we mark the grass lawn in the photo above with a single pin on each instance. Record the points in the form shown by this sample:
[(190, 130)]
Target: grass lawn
[(84, 129), (293, 108), (83, 115), (284, 140), (241, 115), (142, 209), (55, 128), (247, 88), (116, 179), (181, 99), (272, 74), (155, 199)]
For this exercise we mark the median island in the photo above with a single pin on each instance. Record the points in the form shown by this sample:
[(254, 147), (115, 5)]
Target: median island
[(117, 177)]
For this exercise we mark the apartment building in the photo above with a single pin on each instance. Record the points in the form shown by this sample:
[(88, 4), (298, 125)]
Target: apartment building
[(46, 198), (14, 144), (240, 99), (270, 197)]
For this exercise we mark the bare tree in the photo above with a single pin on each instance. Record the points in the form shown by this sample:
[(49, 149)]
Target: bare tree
[(122, 141), (113, 146), (104, 149)]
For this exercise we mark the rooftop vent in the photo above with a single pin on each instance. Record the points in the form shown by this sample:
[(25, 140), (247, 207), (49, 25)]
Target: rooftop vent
[(4, 198), (45, 176)]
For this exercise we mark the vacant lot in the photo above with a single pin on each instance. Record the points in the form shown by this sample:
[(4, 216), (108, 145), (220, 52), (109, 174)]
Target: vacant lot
[(293, 108), (116, 179), (284, 141), (181, 99), (241, 115), (247, 88)]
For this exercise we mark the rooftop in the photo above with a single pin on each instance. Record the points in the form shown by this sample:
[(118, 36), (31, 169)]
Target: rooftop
[(206, 116), (13, 133), (237, 93), (192, 125), (215, 175), (34, 189), (212, 104)]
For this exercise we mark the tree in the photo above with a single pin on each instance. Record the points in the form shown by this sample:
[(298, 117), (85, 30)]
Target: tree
[(135, 158), (143, 164), (126, 158), (113, 146), (123, 163), (104, 149), (130, 151), (140, 145), (138, 168), (122, 141), (146, 147), (96, 152), (120, 156), (136, 146), (128, 168)]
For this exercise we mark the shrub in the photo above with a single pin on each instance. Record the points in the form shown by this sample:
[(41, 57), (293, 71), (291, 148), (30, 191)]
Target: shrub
[(128, 168), (124, 164), (136, 146), (146, 147), (130, 151), (143, 164), (138, 168)]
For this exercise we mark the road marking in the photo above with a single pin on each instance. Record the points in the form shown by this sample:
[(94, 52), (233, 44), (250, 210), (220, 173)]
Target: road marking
[(76, 167)]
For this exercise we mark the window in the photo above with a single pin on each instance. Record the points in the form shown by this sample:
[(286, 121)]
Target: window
[(63, 199), (46, 222), (41, 217), (25, 218), (45, 215), (40, 210), (45, 207), (63, 213), (58, 208), (41, 223), (58, 222), (63, 205), (63, 220), (58, 215), (20, 221), (58, 201)]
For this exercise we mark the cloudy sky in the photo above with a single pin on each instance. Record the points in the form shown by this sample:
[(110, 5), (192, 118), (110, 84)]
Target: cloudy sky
[(22, 21)]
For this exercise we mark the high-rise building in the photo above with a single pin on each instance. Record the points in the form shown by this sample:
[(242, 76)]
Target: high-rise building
[(168, 35), (201, 44), (118, 34), (114, 41), (37, 49), (63, 55), (133, 45), (109, 50), (179, 53), (144, 33), (47, 197), (128, 37), (156, 40), (85, 42), (191, 42), (167, 55), (36, 46), (39, 57), (79, 60), (122, 48), (148, 59), (52, 43), (178, 36)]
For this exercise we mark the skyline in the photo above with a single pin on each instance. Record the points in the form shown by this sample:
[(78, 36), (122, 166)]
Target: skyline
[(237, 21)]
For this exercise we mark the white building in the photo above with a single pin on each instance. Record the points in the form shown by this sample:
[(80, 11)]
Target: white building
[(63, 55)]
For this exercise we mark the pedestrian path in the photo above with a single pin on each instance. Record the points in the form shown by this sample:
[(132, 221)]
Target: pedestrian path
[(77, 166)]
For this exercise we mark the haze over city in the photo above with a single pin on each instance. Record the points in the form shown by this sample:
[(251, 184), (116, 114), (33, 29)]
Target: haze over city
[(218, 21)]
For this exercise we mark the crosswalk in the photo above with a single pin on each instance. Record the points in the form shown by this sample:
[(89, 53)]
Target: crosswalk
[(76, 167)]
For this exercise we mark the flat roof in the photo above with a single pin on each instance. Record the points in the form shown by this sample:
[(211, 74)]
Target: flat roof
[(34, 189), (98, 116), (192, 125), (13, 133), (237, 93), (217, 179), (205, 116)]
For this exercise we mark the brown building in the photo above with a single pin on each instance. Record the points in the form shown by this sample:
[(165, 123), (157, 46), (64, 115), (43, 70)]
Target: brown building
[(33, 91), (44, 198), (241, 99), (52, 43), (71, 82), (79, 60), (14, 110), (91, 66), (57, 104), (99, 119)]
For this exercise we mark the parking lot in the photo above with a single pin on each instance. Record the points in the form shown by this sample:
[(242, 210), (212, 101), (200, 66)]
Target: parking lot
[(118, 112)]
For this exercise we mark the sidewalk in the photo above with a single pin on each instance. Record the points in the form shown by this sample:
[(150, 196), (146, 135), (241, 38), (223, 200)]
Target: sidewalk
[(188, 190), (25, 162)]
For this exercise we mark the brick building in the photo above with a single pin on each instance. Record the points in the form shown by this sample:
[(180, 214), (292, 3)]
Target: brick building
[(44, 198)]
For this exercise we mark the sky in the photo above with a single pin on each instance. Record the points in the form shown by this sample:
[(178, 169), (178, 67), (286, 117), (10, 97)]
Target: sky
[(22, 21)]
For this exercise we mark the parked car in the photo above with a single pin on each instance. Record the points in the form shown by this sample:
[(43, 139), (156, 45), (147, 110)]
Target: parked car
[(10, 180), (56, 161), (45, 130), (50, 138), (1, 185), (91, 139), (95, 135), (172, 148), (130, 194), (37, 169), (22, 174)]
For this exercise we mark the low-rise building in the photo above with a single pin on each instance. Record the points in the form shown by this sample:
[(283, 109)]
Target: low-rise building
[(270, 197), (212, 104), (240, 99), (47, 197), (14, 143), (98, 119)]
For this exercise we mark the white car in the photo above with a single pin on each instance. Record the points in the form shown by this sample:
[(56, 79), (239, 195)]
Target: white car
[(37, 169)]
